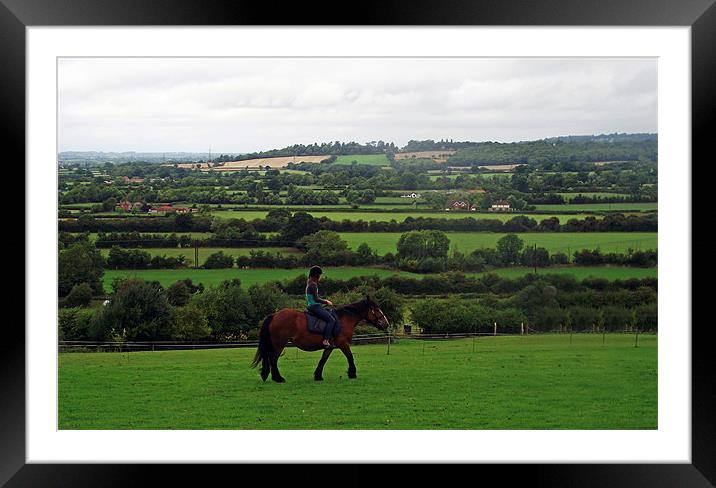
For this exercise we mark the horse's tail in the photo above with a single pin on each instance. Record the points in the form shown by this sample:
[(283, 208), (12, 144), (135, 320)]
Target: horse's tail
[(263, 353)]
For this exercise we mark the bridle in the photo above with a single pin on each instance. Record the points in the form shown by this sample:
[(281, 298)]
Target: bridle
[(376, 311)]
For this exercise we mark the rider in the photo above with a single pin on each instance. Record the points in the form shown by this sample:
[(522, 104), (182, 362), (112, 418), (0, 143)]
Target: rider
[(314, 303)]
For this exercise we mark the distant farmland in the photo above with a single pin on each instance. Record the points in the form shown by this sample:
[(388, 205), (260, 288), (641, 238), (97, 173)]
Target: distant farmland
[(371, 159), (259, 163), (437, 156)]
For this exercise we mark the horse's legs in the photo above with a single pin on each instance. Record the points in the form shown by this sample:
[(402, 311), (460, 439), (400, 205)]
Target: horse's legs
[(275, 375), (318, 374), (346, 349)]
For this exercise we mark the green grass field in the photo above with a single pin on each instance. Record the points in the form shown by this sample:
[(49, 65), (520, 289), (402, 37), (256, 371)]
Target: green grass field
[(372, 159), (212, 277), (384, 242), (397, 216), (599, 207), (518, 382)]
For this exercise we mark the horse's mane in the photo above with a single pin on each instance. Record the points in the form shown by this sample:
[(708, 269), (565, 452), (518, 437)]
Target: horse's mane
[(359, 308)]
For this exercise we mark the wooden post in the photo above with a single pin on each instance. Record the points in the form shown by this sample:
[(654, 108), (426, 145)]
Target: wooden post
[(570, 336), (604, 334), (636, 338), (495, 330), (388, 342), (522, 328)]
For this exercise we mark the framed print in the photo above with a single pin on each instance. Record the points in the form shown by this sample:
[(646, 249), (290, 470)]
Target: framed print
[(193, 180)]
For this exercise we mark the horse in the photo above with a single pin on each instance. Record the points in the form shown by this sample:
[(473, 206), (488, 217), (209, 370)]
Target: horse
[(291, 324)]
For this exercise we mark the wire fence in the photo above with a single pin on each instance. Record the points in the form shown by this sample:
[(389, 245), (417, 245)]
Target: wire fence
[(362, 339)]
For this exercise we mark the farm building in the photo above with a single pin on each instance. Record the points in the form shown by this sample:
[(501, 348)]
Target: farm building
[(411, 195), (132, 180), (500, 206), (128, 206), (461, 205), (168, 208)]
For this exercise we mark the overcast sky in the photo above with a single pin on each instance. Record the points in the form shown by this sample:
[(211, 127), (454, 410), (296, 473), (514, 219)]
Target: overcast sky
[(244, 105)]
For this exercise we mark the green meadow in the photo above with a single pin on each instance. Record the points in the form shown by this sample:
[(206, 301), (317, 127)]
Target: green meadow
[(372, 159), (248, 277), (384, 242), (549, 381)]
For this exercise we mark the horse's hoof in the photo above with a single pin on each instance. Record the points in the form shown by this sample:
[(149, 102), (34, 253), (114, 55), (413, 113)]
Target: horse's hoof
[(317, 378), (279, 380), (352, 376)]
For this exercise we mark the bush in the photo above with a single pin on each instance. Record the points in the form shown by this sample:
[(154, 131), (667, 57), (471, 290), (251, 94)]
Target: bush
[(74, 324), (178, 294), (219, 260), (138, 307), (79, 296), (190, 324)]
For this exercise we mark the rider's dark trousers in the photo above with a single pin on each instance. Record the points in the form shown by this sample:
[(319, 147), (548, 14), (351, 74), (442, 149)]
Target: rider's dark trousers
[(324, 315)]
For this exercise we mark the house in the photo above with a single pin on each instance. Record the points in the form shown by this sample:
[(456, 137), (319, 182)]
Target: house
[(125, 205), (411, 195), (500, 206), (167, 207), (132, 180), (460, 205), (162, 208)]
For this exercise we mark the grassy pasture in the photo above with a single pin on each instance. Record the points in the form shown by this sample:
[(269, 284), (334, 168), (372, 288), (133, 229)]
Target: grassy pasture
[(568, 196), (510, 382), (385, 242), (596, 207), (212, 277), (371, 159)]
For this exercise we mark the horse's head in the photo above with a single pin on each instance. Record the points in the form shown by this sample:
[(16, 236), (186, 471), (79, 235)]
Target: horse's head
[(375, 315)]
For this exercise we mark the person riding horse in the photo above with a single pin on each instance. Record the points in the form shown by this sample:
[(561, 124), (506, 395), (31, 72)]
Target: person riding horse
[(314, 304)]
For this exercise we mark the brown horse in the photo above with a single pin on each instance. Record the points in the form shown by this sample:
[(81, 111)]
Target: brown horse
[(290, 324)]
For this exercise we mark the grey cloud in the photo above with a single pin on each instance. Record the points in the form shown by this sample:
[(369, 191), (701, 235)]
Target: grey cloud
[(237, 105)]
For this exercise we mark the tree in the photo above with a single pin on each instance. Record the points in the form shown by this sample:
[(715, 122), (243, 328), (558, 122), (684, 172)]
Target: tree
[(178, 294), (228, 309), (325, 247), (79, 296), (190, 324), (300, 224), (219, 260), (138, 307), (365, 255), (80, 263), (423, 244), (508, 249)]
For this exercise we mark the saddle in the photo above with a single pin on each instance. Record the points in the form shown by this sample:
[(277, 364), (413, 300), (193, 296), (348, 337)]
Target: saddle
[(318, 325)]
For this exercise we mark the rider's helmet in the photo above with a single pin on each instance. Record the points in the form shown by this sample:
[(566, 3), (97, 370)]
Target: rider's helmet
[(315, 271)]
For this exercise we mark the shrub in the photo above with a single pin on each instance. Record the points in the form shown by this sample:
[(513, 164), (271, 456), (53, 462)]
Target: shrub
[(219, 260), (190, 324), (79, 296), (139, 307), (74, 324)]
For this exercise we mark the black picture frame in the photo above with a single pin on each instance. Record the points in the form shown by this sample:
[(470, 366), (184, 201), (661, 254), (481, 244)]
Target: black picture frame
[(16, 15)]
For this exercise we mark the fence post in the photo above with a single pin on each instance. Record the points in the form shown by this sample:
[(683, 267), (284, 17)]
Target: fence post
[(389, 341), (494, 333), (522, 328), (636, 338), (604, 334)]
